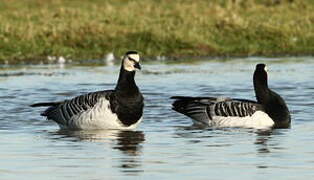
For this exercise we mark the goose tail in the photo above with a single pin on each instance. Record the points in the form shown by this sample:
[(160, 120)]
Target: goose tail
[(194, 107), (180, 103)]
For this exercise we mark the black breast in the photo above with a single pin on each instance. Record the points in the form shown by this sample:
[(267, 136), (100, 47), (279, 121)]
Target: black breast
[(129, 110), (277, 109)]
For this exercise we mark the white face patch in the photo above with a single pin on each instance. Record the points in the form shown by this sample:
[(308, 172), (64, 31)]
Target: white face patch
[(129, 61), (128, 65), (265, 68), (135, 57)]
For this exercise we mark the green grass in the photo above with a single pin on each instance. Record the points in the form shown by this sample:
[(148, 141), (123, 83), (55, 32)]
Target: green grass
[(31, 30)]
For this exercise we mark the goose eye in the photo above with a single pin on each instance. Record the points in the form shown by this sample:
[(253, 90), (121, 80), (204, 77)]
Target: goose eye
[(134, 57), (131, 59)]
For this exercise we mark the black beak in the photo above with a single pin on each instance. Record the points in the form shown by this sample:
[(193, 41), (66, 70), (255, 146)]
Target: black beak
[(137, 66)]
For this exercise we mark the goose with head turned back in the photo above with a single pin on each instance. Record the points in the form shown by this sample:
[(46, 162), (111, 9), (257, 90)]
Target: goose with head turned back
[(121, 108), (270, 110)]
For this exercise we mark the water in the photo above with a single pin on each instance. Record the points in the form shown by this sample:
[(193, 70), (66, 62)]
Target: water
[(165, 145)]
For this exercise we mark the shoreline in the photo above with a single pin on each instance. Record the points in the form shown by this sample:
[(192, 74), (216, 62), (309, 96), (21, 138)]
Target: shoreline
[(163, 59)]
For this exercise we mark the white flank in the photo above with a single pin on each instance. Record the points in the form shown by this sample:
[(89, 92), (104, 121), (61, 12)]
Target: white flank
[(259, 120), (99, 117)]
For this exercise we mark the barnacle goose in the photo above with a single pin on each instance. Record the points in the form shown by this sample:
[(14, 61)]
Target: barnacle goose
[(121, 108), (270, 110)]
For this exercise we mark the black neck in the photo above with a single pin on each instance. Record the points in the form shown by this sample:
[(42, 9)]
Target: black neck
[(274, 105), (126, 84), (261, 86)]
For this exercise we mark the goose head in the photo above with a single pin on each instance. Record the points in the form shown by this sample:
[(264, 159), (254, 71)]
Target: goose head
[(131, 61), (261, 84), (260, 76)]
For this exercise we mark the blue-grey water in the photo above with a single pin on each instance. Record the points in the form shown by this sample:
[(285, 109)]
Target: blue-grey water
[(165, 145)]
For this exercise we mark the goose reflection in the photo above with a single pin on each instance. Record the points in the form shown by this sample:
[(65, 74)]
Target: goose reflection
[(122, 137), (196, 134), (262, 141), (127, 142)]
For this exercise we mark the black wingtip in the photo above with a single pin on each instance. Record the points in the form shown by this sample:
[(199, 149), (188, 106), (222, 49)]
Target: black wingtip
[(182, 97), (43, 104), (179, 104), (35, 105), (193, 98), (174, 97)]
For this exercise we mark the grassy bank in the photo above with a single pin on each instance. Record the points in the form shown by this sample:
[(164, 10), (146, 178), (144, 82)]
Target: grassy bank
[(79, 29)]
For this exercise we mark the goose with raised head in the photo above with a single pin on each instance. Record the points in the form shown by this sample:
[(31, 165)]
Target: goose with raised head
[(121, 108), (269, 111)]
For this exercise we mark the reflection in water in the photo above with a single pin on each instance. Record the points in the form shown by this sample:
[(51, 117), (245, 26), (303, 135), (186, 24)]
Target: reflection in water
[(262, 144), (195, 134), (261, 141), (92, 136), (190, 131), (128, 142), (264, 136)]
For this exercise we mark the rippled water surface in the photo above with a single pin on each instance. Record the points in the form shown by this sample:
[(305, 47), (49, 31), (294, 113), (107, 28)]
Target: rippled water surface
[(165, 145)]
